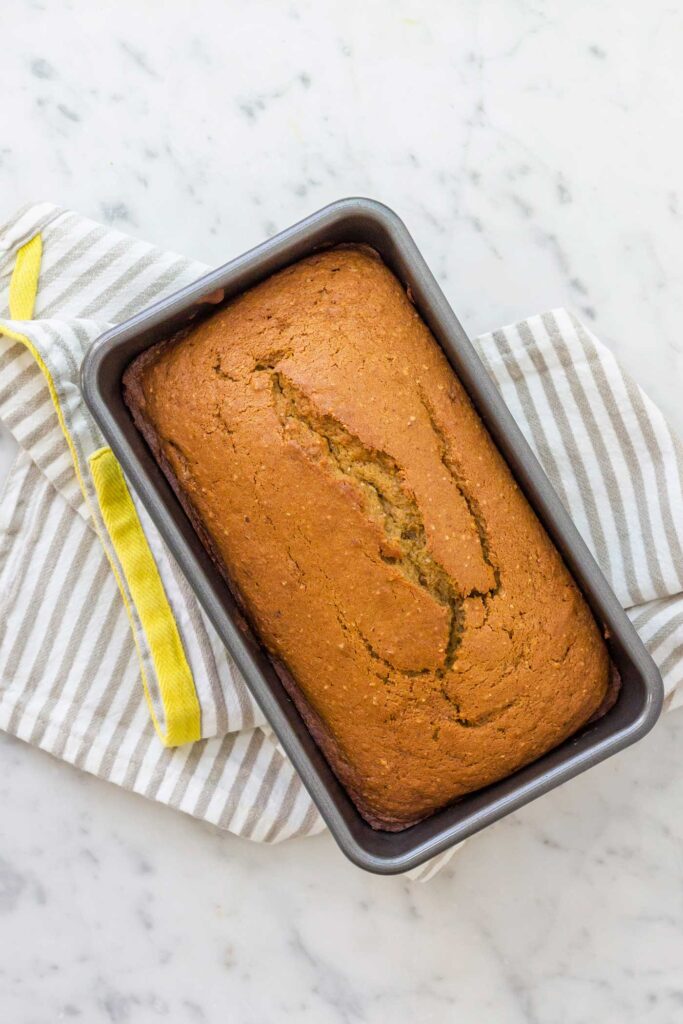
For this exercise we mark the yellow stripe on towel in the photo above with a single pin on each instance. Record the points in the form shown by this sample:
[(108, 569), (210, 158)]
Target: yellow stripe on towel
[(23, 287), (178, 694)]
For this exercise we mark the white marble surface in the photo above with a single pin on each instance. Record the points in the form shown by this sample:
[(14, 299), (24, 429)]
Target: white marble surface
[(535, 151)]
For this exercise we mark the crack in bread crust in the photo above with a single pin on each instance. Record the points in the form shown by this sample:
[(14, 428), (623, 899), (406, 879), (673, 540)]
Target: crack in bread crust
[(451, 463), (389, 502)]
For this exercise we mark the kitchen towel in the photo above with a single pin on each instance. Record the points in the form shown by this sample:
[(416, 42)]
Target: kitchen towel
[(107, 660)]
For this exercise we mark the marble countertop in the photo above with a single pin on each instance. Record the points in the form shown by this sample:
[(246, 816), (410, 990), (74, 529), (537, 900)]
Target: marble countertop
[(536, 155)]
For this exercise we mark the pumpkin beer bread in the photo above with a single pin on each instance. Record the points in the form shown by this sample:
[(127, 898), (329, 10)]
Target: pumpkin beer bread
[(418, 614)]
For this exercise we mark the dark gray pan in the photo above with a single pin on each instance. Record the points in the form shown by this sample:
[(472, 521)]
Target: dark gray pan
[(640, 699)]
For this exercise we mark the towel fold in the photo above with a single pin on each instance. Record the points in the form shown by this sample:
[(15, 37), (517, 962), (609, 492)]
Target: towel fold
[(106, 658)]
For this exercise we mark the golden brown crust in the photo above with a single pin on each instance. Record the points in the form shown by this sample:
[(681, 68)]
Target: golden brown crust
[(418, 614)]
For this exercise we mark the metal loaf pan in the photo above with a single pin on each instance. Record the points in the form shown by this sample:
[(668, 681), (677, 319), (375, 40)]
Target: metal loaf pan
[(640, 698)]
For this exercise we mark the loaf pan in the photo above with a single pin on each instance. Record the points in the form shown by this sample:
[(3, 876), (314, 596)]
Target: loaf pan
[(640, 698)]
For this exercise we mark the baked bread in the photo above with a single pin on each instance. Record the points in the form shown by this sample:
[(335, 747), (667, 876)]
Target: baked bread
[(419, 616)]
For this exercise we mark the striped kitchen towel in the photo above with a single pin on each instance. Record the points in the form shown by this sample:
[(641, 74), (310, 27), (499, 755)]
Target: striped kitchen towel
[(107, 660)]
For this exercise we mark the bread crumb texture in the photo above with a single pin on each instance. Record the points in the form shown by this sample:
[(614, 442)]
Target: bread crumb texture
[(420, 617)]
